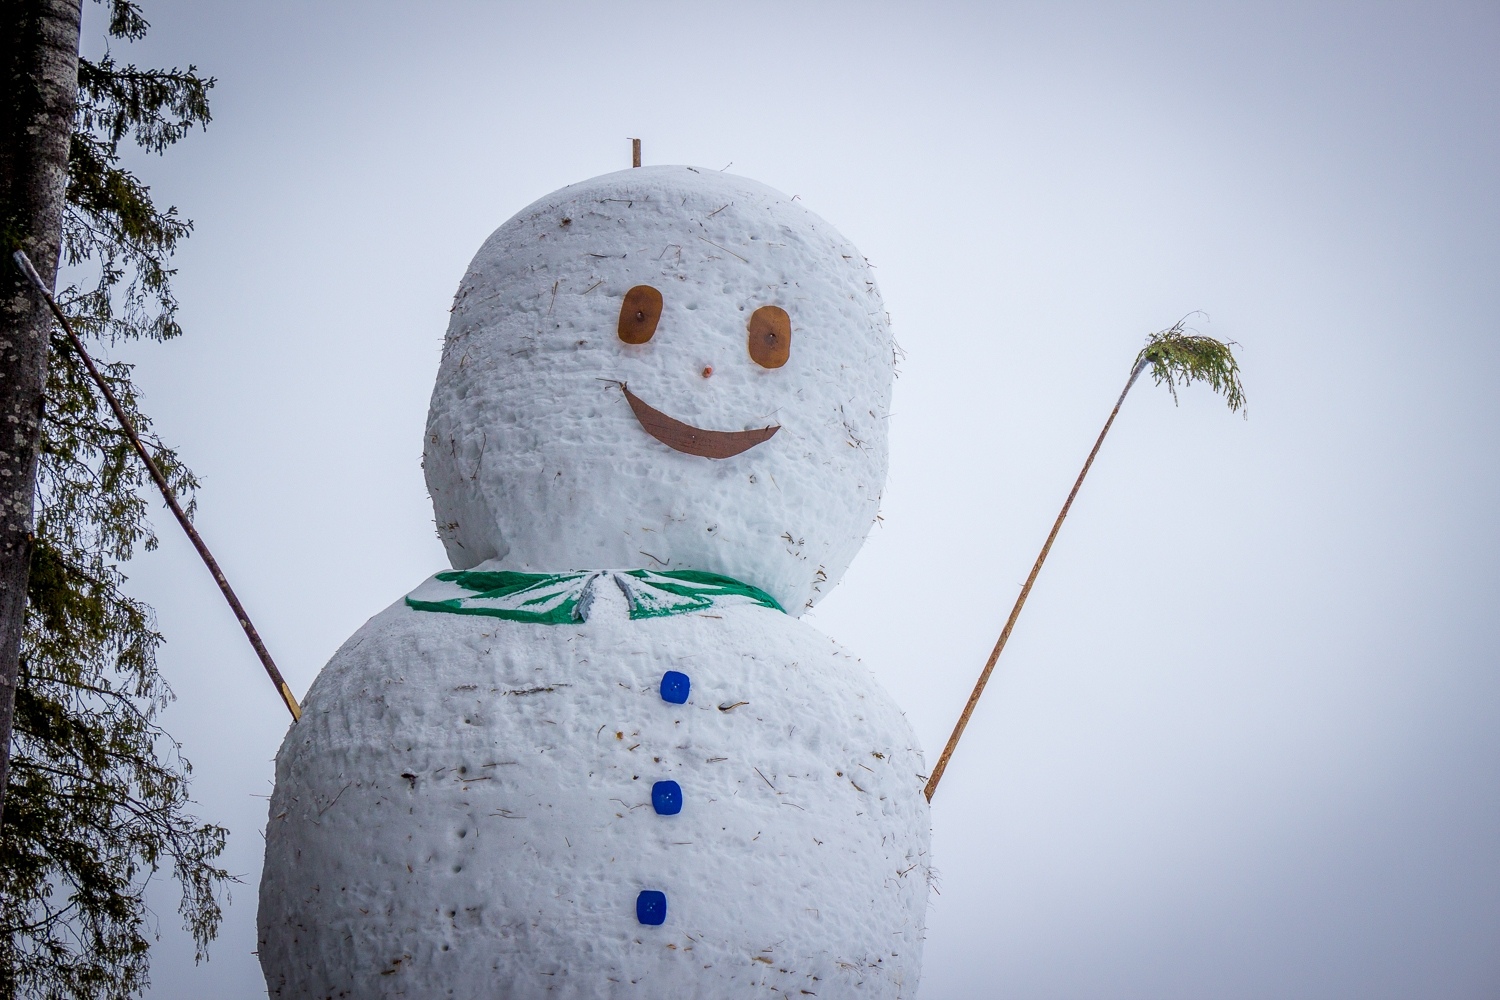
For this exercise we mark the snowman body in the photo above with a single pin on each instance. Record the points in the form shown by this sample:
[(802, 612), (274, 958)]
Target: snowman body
[(534, 778)]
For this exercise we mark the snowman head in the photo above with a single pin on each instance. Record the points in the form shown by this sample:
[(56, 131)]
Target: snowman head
[(663, 368)]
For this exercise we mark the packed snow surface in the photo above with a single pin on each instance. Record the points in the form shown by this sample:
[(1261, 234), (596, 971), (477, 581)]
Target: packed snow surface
[(533, 457), (465, 811)]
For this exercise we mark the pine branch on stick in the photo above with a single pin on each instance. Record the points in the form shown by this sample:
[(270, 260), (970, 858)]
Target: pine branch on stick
[(1176, 356)]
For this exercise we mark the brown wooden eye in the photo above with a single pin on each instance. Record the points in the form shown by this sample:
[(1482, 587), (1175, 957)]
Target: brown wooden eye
[(770, 336), (639, 314)]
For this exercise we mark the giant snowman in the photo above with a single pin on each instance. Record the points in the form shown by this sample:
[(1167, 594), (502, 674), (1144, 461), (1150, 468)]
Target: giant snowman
[(601, 757)]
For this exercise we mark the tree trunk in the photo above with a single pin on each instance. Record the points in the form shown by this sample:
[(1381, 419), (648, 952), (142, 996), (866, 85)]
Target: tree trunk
[(39, 60)]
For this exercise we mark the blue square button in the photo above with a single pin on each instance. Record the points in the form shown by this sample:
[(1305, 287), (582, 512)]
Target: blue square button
[(675, 687), (651, 907), (666, 798)]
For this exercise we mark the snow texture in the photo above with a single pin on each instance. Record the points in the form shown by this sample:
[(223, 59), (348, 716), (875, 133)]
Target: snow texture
[(465, 808), (533, 457), (465, 811)]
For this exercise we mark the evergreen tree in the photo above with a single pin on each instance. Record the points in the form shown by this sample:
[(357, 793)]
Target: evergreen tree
[(97, 793)]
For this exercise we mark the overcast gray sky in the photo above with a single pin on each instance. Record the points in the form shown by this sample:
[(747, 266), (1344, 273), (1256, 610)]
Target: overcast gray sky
[(1244, 742)]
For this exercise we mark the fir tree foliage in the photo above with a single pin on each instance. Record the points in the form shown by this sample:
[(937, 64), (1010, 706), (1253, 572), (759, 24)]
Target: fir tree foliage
[(1181, 356), (111, 220), (98, 797)]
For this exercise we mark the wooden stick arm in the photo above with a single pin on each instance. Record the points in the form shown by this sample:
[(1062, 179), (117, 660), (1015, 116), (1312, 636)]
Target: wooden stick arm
[(1015, 612), (282, 689)]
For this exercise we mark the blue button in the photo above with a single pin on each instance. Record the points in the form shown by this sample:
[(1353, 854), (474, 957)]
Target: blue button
[(675, 687), (666, 798), (651, 907)]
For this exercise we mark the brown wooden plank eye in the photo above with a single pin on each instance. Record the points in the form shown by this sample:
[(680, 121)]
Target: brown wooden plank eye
[(639, 314), (770, 336)]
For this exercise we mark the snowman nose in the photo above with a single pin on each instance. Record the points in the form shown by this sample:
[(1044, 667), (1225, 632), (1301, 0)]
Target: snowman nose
[(708, 370)]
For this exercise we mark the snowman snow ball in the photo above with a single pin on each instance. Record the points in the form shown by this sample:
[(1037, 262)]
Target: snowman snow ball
[(601, 757)]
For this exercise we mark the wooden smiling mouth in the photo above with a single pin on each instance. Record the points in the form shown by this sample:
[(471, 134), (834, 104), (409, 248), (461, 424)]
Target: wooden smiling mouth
[(692, 440)]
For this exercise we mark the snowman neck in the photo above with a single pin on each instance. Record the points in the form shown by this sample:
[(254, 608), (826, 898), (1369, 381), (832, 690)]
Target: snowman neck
[(565, 598)]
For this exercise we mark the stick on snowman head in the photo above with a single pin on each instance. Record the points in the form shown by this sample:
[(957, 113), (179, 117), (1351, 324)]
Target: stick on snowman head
[(663, 368)]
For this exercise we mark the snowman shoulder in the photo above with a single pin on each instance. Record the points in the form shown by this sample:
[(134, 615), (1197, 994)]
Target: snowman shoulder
[(815, 681), (406, 654)]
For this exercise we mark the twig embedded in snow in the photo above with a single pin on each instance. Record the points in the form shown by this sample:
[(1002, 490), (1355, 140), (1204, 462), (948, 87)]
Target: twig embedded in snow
[(329, 806), (731, 253)]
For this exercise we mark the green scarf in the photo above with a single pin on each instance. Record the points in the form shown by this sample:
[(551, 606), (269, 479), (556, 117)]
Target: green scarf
[(564, 598)]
